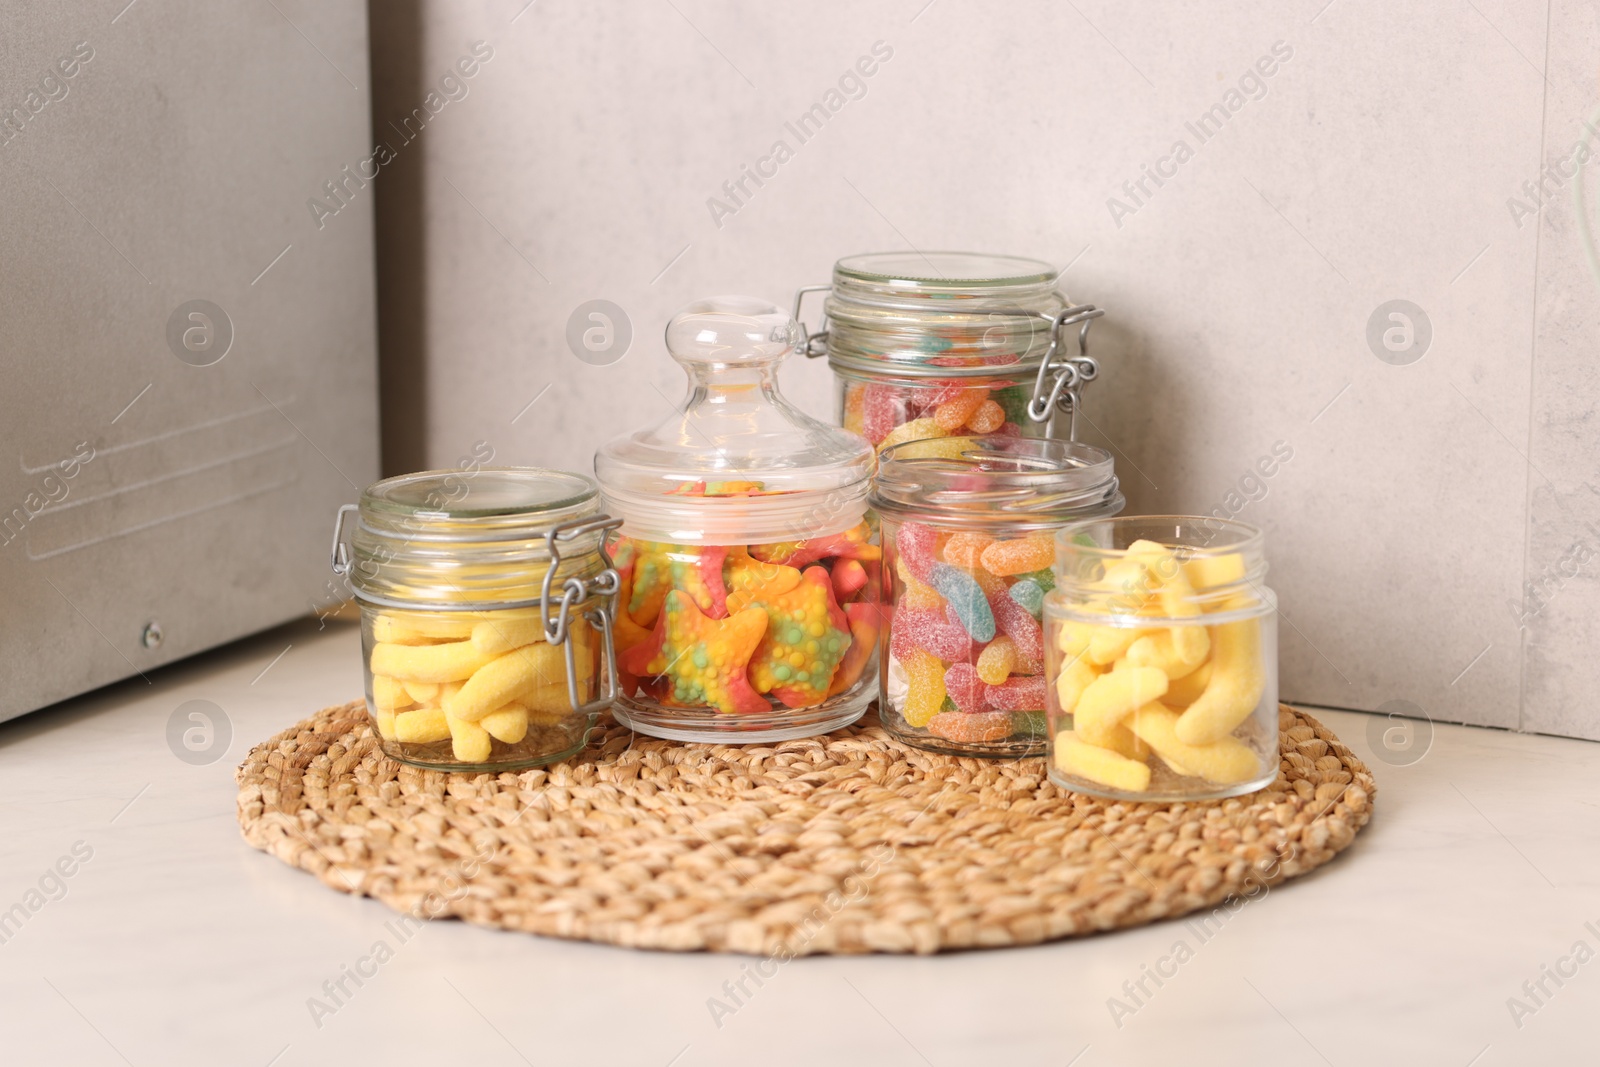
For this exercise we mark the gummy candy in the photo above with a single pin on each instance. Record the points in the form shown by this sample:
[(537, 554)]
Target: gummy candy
[(806, 637), (927, 630), (954, 413), (879, 412), (751, 580), (1016, 623), (962, 592), (915, 594), (974, 729), (915, 430), (1018, 556), (865, 624), (1044, 579), (849, 578), (925, 692), (854, 543), (963, 549), (989, 417), (705, 658), (694, 569), (965, 688), (915, 543), (1027, 593), (998, 660), (1022, 693)]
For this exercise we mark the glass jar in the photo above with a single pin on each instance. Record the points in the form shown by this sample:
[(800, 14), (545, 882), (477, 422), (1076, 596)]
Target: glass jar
[(969, 536), (945, 344), (1163, 660), (749, 571), (486, 600)]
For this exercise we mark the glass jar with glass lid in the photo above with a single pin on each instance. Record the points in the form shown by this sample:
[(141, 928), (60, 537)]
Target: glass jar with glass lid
[(969, 529), (749, 570), (486, 600), (944, 344)]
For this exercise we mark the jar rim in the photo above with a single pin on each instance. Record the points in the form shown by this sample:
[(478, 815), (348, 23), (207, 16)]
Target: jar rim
[(988, 479), (944, 272), (1197, 536)]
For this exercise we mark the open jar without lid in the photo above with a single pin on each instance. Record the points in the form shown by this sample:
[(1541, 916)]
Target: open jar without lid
[(749, 570), (485, 602), (1161, 637), (950, 344), (969, 529)]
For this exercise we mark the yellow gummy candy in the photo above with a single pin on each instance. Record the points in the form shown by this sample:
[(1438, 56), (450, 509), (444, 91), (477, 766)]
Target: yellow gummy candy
[(493, 637), (1225, 762), (427, 663), (1234, 688), (1181, 692), (1175, 650), (936, 448), (1111, 698), (997, 660), (389, 694), (1076, 676), (925, 692), (469, 742), (1073, 638), (1107, 644), (419, 629), (385, 723), (1077, 757), (421, 726), (915, 594), (508, 678), (422, 692), (915, 430), (509, 724)]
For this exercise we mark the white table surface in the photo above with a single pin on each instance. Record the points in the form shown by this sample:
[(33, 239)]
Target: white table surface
[(176, 943)]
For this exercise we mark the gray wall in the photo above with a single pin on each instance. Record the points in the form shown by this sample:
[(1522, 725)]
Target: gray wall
[(1378, 162)]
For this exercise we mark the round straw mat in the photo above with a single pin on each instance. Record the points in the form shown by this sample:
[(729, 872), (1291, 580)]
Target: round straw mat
[(846, 843)]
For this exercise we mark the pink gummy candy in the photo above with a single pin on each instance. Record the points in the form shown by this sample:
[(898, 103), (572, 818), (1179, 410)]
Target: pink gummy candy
[(878, 413), (916, 544), (1018, 693), (1009, 429), (1016, 623), (966, 689), (926, 629)]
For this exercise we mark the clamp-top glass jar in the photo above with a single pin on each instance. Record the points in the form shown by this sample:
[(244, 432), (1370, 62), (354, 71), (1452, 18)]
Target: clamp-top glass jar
[(951, 343), (968, 531), (749, 572), (486, 600)]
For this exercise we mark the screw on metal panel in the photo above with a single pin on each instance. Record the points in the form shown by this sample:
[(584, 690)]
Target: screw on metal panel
[(151, 638)]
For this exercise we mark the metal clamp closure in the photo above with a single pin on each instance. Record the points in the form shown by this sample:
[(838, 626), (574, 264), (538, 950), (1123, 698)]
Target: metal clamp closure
[(339, 558), (1060, 381), (575, 592), (812, 344)]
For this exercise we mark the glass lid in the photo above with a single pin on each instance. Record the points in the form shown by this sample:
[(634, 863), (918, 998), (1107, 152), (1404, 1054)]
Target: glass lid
[(736, 462), (945, 272)]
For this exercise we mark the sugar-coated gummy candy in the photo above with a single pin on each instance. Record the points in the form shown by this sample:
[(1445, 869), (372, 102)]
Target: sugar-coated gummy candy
[(964, 548), (1080, 759), (879, 411), (1226, 761), (1029, 723), (1027, 593), (955, 412), (1018, 555), (986, 726), (915, 542), (849, 578), (1016, 623), (963, 686), (1009, 429), (915, 430), (998, 660), (1233, 690), (1111, 698), (1045, 578), (1181, 692), (928, 630), (1076, 676), (924, 688), (989, 417), (962, 592), (1020, 693)]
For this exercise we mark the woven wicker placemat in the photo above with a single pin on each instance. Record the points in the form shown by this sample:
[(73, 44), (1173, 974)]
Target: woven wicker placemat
[(851, 842)]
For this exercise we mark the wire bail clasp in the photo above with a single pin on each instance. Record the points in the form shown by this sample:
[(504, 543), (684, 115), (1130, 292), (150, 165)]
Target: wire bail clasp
[(575, 592), (1065, 389)]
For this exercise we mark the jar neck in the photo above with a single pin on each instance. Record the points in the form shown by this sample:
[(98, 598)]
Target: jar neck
[(1167, 567)]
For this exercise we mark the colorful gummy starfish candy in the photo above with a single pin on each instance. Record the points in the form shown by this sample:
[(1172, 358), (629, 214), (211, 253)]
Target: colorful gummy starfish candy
[(660, 568), (806, 638), (704, 658), (854, 543)]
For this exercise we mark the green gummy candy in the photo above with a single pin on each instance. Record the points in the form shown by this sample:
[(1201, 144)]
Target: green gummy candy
[(1029, 722), (1046, 578)]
